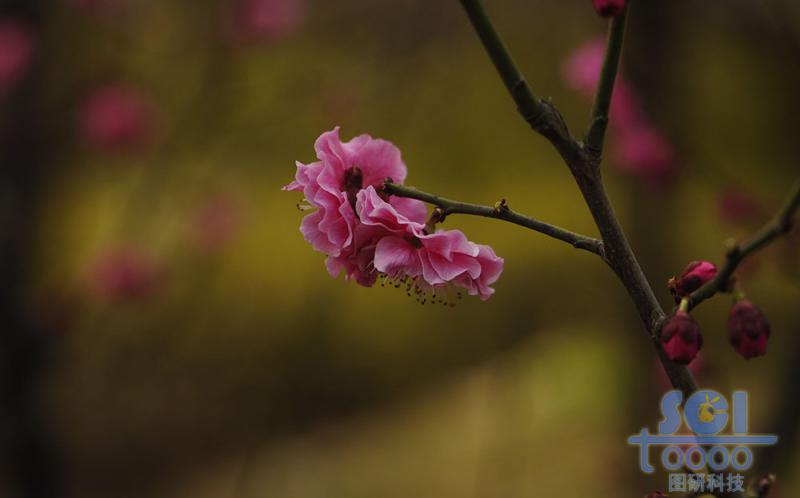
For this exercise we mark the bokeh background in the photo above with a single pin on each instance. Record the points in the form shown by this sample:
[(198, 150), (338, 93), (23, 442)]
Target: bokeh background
[(167, 332)]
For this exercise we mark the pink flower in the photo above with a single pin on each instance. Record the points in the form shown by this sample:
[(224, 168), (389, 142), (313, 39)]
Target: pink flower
[(695, 275), (681, 338), (609, 8), (367, 234), (123, 274), (426, 261), (331, 185), (215, 223), (257, 20), (581, 70), (748, 329), (116, 118), (736, 206), (16, 53), (645, 152), (638, 147), (396, 216)]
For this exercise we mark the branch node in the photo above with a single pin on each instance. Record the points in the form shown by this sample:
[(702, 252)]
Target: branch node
[(500, 207)]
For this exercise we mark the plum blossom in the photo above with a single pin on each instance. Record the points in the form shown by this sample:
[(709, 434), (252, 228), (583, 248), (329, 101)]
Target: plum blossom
[(116, 118), (748, 329), (645, 151), (331, 184), (264, 20), (736, 206), (427, 261), (639, 148), (123, 274), (16, 52), (368, 234)]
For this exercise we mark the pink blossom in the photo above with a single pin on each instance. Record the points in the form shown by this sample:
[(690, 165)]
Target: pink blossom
[(123, 274), (748, 329), (265, 20), (638, 147), (331, 185), (581, 71), (396, 216), (427, 261), (215, 223), (367, 234), (609, 8), (645, 152), (116, 118), (16, 53), (736, 206)]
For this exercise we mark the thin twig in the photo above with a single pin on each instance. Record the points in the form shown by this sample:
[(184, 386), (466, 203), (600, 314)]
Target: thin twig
[(781, 224), (605, 87), (539, 114), (500, 211)]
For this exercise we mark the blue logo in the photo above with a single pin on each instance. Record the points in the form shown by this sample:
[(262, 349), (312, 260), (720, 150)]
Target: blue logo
[(704, 446)]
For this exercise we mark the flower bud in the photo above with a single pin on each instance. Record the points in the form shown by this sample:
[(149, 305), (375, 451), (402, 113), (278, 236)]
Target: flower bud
[(681, 338), (748, 329), (609, 8), (694, 276), (656, 494)]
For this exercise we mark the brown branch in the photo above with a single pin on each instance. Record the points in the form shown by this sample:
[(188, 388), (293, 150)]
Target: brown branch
[(540, 114), (781, 224), (605, 87), (499, 211), (584, 163)]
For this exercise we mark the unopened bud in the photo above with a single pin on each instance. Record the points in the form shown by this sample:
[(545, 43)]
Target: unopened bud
[(609, 8), (681, 338), (695, 275), (748, 329)]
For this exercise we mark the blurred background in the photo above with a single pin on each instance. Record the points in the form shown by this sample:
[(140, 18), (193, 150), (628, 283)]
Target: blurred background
[(167, 332)]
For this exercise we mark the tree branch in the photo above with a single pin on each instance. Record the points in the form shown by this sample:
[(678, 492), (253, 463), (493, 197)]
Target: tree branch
[(781, 224), (605, 87), (585, 167), (500, 211), (541, 115)]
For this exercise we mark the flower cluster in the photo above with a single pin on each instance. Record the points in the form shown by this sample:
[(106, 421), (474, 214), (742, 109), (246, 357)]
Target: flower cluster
[(681, 339), (367, 234)]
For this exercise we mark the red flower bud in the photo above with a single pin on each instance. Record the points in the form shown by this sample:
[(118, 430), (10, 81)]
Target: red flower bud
[(748, 329), (656, 494), (681, 338), (694, 276), (609, 8)]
